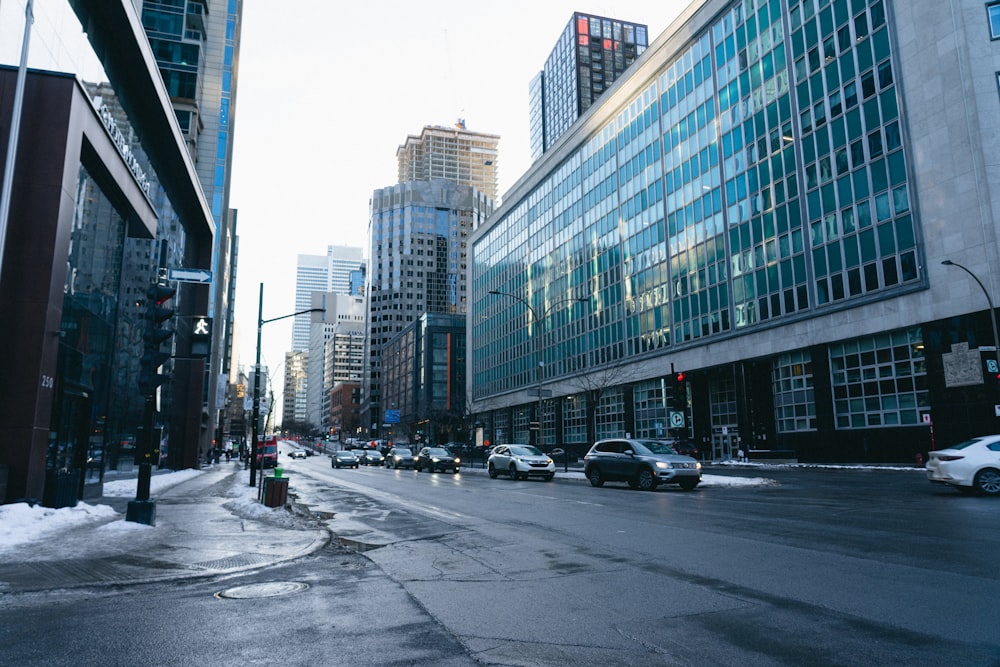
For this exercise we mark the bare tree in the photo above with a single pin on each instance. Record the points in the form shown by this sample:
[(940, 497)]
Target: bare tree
[(595, 384)]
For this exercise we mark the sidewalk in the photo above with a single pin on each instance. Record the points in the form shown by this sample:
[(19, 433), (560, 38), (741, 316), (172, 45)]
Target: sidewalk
[(205, 526)]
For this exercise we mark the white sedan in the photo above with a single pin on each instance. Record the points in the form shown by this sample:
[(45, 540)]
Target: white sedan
[(970, 466)]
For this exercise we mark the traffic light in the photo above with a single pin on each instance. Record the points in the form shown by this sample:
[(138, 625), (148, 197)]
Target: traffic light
[(158, 347), (201, 336), (680, 390)]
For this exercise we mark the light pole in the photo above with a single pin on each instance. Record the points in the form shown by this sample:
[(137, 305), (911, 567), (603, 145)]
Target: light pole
[(537, 335), (989, 300), (256, 380)]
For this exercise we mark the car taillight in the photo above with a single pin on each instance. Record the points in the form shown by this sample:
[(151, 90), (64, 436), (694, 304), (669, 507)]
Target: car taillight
[(947, 457)]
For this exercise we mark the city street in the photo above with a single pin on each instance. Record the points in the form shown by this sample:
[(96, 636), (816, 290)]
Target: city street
[(825, 567)]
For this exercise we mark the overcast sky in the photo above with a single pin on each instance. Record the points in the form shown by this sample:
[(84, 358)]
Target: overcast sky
[(327, 93)]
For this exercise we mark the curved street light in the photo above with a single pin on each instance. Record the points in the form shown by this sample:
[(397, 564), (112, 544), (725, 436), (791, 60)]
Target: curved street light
[(989, 300), (537, 321), (252, 450)]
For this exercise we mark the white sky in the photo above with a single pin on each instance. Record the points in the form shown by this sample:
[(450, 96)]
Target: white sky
[(329, 90)]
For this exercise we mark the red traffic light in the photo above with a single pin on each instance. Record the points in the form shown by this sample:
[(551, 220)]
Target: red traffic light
[(680, 377)]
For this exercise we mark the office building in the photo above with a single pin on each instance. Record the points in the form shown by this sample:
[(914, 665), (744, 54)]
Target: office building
[(196, 46), (424, 380), (293, 408), (792, 203), (104, 202), (340, 270), (336, 351), (452, 153), (590, 55), (418, 236)]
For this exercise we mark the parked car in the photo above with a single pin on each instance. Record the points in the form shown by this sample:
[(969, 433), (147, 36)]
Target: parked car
[(972, 466), (298, 453), (644, 464), (344, 458), (520, 462), (437, 458), (683, 447), (399, 457), (369, 457)]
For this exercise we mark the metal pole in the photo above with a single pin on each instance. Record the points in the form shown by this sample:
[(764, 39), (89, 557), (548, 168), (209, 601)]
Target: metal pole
[(256, 393), (15, 130), (989, 300)]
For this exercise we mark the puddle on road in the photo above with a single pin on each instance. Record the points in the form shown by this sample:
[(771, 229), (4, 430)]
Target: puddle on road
[(355, 545)]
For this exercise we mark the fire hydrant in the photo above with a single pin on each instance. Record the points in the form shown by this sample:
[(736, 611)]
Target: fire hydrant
[(920, 460)]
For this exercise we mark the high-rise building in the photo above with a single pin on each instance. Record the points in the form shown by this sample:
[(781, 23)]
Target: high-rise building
[(590, 55), (336, 350), (340, 270), (293, 408), (418, 235), (781, 201), (80, 390), (452, 153), (196, 45)]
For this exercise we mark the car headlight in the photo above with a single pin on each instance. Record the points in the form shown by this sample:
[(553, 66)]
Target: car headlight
[(457, 461), (663, 464), (435, 459), (549, 462)]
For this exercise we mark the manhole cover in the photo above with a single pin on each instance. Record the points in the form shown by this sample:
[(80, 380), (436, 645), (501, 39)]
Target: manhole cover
[(266, 590)]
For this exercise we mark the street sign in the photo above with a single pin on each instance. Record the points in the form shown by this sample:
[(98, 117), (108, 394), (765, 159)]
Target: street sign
[(392, 416), (190, 275), (676, 420)]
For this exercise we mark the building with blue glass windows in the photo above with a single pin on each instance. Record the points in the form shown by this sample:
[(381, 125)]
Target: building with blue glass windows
[(765, 201), (590, 54)]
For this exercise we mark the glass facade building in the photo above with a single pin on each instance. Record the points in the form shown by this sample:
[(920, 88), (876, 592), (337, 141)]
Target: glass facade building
[(754, 205), (104, 204), (591, 53)]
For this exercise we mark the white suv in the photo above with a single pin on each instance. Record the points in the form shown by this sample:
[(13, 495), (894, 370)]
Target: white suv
[(520, 462)]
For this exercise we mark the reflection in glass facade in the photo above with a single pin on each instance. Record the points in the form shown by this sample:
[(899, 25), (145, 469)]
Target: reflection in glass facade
[(760, 177)]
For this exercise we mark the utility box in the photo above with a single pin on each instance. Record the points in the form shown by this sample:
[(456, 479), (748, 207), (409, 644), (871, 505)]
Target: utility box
[(275, 491)]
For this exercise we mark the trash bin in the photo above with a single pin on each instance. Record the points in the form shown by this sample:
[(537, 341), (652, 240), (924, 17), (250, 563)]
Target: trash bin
[(278, 471), (275, 491), (61, 488)]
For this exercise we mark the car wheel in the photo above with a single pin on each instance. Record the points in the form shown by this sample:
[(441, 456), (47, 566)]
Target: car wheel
[(645, 480), (512, 471), (688, 484), (988, 482), (548, 478), (595, 476), (492, 471)]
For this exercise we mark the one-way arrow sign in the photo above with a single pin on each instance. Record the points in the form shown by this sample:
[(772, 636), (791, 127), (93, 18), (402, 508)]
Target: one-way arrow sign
[(190, 275)]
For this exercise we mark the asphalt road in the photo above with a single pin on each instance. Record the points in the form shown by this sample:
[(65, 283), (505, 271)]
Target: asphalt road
[(827, 567)]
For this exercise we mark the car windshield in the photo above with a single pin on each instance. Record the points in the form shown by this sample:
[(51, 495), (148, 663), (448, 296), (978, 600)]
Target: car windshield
[(403, 452), (967, 443), (654, 447), (437, 451), (345, 455), (525, 450)]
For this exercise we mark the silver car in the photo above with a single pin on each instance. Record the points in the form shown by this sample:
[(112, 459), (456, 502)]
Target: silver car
[(520, 461), (643, 464)]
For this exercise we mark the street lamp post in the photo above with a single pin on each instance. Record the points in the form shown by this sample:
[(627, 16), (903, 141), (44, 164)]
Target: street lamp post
[(989, 300), (255, 428), (536, 320)]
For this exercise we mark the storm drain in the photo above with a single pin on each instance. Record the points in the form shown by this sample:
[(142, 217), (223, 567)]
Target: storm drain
[(265, 590)]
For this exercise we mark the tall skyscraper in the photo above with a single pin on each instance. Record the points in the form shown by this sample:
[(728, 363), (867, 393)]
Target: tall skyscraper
[(337, 271), (196, 45), (418, 234), (336, 350), (452, 153), (590, 55)]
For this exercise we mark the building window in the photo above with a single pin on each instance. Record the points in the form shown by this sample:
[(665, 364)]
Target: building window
[(879, 381), (993, 12), (794, 398)]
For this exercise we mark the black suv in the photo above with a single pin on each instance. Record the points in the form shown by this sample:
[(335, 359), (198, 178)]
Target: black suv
[(644, 464)]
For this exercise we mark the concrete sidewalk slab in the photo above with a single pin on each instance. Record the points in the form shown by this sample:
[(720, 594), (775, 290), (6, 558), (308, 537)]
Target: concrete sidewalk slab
[(204, 527)]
